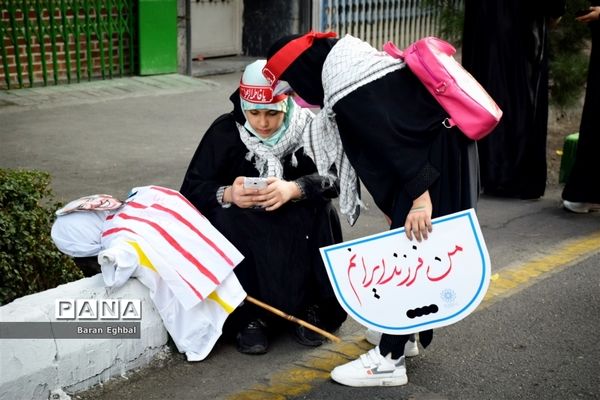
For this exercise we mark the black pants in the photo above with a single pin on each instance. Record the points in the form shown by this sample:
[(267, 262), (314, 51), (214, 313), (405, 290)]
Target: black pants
[(395, 343)]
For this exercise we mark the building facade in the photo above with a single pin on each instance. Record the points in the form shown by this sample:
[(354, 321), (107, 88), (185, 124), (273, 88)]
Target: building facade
[(49, 42)]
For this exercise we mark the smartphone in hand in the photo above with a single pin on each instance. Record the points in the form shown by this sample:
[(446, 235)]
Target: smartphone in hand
[(255, 183), (582, 12)]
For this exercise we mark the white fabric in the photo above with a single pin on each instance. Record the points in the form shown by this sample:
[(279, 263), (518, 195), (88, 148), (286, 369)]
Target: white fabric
[(350, 64), (137, 241), (195, 330), (118, 263), (267, 159), (78, 234)]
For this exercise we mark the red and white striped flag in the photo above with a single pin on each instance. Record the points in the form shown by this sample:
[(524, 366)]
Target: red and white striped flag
[(189, 254)]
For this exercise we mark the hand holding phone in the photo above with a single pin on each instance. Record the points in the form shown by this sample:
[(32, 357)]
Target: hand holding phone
[(255, 183)]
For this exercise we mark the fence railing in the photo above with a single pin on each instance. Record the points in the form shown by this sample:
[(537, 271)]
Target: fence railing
[(48, 41), (378, 21)]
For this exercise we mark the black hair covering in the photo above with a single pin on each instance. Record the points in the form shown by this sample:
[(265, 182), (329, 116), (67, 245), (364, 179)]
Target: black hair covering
[(304, 74), (238, 113)]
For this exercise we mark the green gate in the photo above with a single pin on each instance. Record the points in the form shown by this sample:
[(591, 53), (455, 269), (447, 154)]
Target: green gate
[(52, 41)]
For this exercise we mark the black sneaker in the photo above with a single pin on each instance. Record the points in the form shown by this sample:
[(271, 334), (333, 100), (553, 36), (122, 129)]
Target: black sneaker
[(308, 337), (252, 339)]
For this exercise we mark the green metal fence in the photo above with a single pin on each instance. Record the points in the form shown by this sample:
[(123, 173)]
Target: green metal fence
[(50, 41)]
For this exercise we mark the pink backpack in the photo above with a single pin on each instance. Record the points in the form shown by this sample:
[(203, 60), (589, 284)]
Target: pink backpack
[(470, 107)]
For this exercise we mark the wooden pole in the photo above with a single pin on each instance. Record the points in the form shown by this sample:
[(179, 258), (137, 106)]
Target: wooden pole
[(293, 319)]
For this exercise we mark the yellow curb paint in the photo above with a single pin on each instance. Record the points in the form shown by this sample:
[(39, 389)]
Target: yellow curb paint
[(258, 395), (510, 280), (300, 377)]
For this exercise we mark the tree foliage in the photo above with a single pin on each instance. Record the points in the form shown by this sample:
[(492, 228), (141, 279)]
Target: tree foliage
[(29, 260), (569, 56)]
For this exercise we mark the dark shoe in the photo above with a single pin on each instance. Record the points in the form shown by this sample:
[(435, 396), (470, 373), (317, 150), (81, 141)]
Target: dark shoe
[(252, 339), (308, 337)]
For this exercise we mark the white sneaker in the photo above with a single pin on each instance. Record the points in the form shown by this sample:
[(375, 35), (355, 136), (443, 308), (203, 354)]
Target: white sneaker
[(411, 348), (371, 369), (580, 208)]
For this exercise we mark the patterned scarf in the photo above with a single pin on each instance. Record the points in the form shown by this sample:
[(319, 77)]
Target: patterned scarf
[(350, 64), (267, 159)]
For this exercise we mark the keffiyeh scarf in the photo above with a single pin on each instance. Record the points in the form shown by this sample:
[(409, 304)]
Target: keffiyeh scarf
[(350, 64), (267, 160)]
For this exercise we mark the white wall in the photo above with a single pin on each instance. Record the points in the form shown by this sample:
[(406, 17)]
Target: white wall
[(33, 368)]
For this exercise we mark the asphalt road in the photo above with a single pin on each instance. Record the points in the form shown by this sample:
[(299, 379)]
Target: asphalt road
[(534, 337)]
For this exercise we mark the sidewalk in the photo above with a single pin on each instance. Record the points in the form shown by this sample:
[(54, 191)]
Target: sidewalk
[(97, 91), (121, 88)]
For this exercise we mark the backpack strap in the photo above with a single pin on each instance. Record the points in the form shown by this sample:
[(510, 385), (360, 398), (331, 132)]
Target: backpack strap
[(393, 51), (443, 46)]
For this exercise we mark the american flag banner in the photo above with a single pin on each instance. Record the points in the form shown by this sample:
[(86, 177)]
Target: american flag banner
[(190, 255), (195, 330)]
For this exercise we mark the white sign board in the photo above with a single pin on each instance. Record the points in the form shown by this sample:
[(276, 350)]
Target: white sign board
[(393, 285)]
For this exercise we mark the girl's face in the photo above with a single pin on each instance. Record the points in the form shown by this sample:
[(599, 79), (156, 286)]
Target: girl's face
[(265, 122)]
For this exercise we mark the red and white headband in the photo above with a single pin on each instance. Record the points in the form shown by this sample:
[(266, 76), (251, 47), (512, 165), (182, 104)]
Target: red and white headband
[(259, 94)]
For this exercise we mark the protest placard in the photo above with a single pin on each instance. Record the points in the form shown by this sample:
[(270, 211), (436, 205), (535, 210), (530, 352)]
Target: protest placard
[(393, 285)]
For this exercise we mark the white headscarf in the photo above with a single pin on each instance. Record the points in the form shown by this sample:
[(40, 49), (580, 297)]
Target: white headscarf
[(78, 234)]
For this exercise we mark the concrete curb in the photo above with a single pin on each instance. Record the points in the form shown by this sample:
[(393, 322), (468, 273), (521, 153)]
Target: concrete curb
[(43, 368)]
